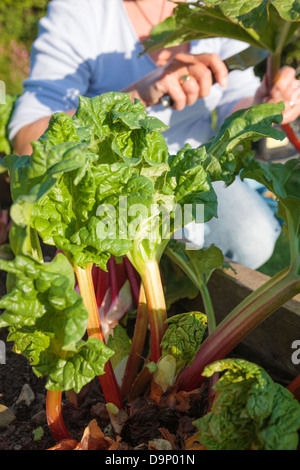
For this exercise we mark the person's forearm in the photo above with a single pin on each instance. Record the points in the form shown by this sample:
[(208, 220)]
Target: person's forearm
[(30, 133), (27, 134)]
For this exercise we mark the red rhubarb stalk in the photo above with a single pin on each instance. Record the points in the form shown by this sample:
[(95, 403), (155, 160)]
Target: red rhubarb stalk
[(54, 416), (108, 381), (291, 135), (294, 387), (101, 285), (137, 345), (117, 277), (134, 280), (121, 297)]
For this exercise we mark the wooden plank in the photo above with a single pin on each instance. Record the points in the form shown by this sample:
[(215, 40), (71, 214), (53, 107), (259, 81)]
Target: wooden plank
[(271, 342)]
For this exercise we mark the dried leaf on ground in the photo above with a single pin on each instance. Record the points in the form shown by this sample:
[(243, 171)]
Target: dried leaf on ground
[(66, 444), (193, 444), (94, 439)]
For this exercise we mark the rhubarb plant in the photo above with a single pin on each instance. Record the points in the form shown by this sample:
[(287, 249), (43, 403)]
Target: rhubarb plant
[(94, 188)]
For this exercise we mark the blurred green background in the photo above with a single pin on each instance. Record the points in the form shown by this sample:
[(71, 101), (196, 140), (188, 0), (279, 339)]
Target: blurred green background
[(18, 28)]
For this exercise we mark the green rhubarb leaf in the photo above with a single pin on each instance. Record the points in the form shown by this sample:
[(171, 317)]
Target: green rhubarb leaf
[(190, 182), (230, 148), (75, 368), (255, 14), (113, 127), (250, 411), (181, 187), (47, 320), (28, 341), (184, 185), (69, 191), (43, 289), (198, 265), (120, 344), (83, 216), (268, 24), (263, 20), (35, 174), (192, 21), (184, 335)]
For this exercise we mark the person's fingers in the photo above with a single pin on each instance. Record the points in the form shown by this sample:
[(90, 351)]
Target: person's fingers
[(190, 87), (203, 69), (292, 105), (203, 75), (170, 85), (283, 86), (214, 65), (290, 115), (286, 88)]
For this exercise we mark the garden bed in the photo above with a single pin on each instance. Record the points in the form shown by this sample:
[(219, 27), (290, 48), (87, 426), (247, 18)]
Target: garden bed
[(170, 421)]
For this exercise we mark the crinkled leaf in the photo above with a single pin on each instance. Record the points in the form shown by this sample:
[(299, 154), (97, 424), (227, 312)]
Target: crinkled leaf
[(75, 368), (34, 175), (120, 343), (113, 127), (249, 410), (29, 341), (83, 217), (190, 182), (47, 321), (184, 335), (39, 286)]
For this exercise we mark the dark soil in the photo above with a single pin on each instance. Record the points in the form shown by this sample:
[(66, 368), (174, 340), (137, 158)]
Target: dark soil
[(146, 419)]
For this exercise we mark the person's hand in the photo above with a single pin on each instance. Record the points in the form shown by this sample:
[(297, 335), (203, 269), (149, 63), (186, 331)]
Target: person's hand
[(185, 78), (285, 88)]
